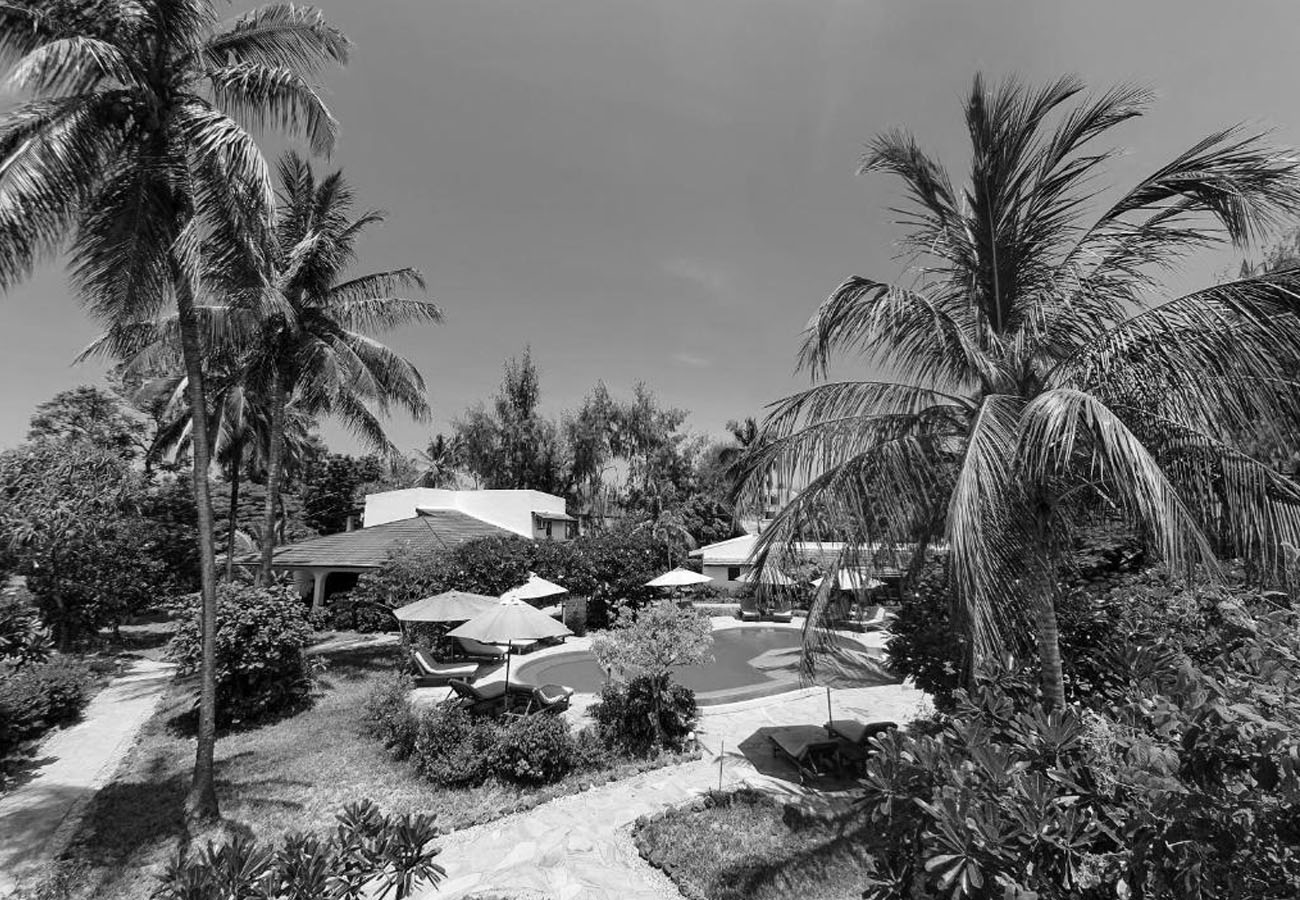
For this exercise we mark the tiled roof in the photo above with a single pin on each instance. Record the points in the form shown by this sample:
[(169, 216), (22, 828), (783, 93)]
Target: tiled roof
[(370, 547)]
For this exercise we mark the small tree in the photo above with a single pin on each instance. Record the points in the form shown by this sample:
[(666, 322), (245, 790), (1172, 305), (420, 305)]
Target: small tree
[(649, 644)]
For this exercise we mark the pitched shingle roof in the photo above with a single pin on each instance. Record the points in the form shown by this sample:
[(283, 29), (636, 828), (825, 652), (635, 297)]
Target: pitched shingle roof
[(428, 532)]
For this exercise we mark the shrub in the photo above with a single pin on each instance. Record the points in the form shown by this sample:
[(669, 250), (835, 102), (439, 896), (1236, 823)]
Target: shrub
[(645, 713), (924, 645), (389, 715), (261, 668), (39, 697), (1172, 777), (535, 750), (453, 748), (368, 854)]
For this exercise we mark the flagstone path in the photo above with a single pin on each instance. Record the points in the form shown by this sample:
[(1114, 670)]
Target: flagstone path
[(580, 848), (37, 817)]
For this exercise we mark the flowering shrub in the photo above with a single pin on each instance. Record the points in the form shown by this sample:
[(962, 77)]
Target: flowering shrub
[(261, 668)]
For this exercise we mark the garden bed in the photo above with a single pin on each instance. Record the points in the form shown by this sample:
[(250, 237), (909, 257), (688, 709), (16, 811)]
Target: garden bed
[(746, 845), (294, 774)]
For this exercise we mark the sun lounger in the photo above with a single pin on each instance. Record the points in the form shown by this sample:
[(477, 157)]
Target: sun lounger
[(749, 611), (813, 751), (543, 697), (855, 738), (478, 650), (783, 615), (856, 732), (485, 699), (429, 671)]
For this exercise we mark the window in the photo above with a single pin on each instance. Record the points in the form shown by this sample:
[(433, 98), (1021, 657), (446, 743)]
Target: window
[(733, 572)]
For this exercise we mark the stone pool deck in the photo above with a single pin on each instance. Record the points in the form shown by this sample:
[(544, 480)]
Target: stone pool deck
[(580, 847)]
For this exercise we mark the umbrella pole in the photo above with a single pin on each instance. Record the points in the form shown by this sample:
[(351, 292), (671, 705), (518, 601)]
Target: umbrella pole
[(505, 698), (830, 717)]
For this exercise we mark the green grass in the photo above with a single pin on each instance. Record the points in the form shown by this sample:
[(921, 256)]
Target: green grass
[(292, 775), (750, 849)]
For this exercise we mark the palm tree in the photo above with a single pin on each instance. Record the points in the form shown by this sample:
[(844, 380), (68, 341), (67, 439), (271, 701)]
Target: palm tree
[(238, 426), (313, 343), (1028, 381), (440, 462), (134, 143)]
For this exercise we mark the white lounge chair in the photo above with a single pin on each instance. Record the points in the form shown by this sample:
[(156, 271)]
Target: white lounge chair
[(429, 670), (479, 650)]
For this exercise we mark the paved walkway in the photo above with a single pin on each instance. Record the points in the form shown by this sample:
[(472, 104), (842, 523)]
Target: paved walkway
[(37, 817), (579, 847)]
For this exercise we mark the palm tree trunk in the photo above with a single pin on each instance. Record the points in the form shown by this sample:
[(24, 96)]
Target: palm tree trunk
[(201, 804), (235, 465), (275, 451), (1049, 650)]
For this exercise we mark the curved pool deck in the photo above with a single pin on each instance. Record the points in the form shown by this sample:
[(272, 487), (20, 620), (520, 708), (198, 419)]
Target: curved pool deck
[(766, 684)]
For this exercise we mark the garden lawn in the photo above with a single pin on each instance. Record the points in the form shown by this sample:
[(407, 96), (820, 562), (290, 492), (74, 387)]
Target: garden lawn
[(751, 849), (294, 774)]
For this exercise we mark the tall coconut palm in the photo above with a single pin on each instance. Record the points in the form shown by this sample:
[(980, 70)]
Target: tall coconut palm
[(134, 141), (1027, 375), (314, 343)]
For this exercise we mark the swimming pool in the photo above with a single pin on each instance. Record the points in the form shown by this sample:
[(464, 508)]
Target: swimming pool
[(747, 662)]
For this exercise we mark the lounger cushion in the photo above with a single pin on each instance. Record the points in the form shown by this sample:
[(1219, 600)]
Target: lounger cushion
[(857, 732), (477, 648), (494, 691), (430, 669)]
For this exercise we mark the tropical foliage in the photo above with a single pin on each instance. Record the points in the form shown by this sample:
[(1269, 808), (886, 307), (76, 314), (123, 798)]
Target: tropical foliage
[(367, 854), (90, 536), (133, 148), (1035, 379)]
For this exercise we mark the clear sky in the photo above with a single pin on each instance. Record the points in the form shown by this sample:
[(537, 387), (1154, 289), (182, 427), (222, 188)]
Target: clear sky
[(663, 191)]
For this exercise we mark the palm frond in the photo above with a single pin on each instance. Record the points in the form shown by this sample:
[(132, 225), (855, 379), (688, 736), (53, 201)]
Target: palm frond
[(279, 35), (1064, 429), (260, 96), (385, 313), (51, 159), (904, 331), (71, 65), (984, 528)]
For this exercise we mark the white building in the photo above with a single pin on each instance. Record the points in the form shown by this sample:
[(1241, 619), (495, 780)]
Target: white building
[(420, 520), (530, 514)]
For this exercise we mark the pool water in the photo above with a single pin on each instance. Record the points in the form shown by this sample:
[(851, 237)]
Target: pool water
[(730, 676)]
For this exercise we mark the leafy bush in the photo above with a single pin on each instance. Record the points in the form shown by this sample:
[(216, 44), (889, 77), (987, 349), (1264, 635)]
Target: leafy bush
[(22, 639), (453, 748), (261, 668), (645, 713), (36, 698), (368, 854), (1174, 776), (389, 715), (924, 645), (535, 750)]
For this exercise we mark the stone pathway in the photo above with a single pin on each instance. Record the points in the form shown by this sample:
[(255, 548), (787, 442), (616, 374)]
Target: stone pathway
[(37, 817), (579, 847)]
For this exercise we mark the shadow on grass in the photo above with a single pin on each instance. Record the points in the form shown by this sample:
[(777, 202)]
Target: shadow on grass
[(841, 861)]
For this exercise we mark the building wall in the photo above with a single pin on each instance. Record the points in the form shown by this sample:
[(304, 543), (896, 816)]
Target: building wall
[(512, 510), (721, 576)]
